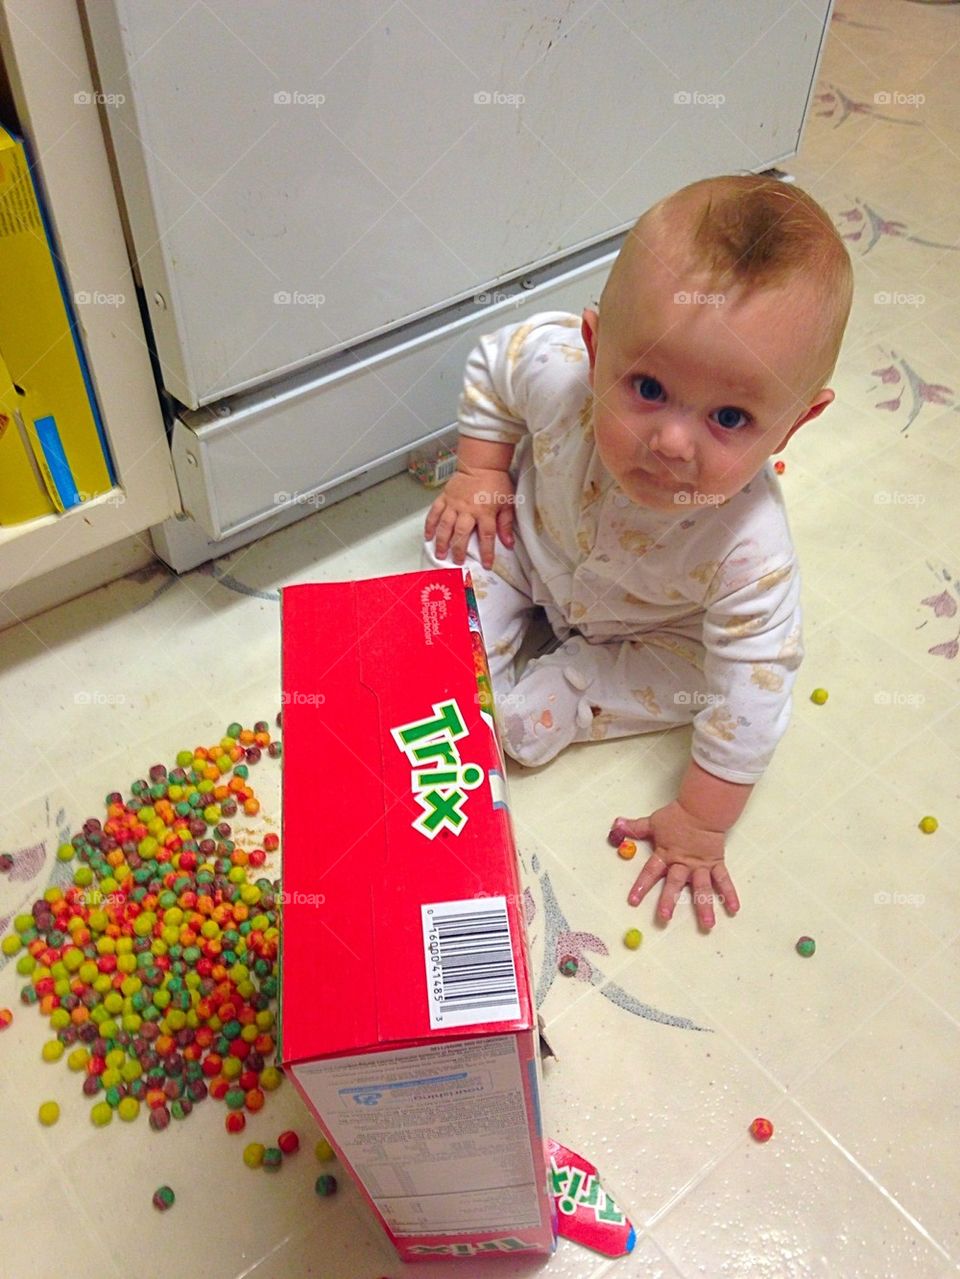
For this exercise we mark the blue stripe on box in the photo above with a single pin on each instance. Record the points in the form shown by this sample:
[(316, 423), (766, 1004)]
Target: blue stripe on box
[(50, 442)]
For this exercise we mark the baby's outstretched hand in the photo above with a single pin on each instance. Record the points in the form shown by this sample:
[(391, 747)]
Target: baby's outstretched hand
[(481, 499), (685, 851)]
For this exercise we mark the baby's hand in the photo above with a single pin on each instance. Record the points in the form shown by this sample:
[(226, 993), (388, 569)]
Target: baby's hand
[(684, 851), (472, 499)]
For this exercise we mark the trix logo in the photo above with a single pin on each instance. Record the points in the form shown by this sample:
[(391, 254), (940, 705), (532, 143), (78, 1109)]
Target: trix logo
[(439, 780)]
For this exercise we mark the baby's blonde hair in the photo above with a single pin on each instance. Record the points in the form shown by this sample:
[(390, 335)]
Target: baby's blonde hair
[(748, 231)]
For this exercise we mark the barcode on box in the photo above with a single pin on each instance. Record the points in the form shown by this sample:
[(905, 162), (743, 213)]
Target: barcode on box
[(471, 978)]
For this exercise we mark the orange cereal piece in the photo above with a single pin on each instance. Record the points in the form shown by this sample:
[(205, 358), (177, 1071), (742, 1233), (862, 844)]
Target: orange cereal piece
[(219, 1088), (251, 807), (627, 849)]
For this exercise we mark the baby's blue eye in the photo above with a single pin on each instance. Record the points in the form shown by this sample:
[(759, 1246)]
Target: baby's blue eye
[(730, 418), (648, 388)]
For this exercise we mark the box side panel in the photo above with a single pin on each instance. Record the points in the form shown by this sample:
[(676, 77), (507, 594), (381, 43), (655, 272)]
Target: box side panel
[(442, 1140)]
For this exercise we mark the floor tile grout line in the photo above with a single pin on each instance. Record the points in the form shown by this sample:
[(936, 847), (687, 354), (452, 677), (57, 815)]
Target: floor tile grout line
[(789, 1095), (877, 1185)]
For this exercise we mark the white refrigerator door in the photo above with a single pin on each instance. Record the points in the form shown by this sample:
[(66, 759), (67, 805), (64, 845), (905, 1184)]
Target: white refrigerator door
[(301, 176)]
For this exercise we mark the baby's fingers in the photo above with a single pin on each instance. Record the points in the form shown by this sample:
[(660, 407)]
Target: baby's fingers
[(702, 890), (433, 517), (654, 868), (672, 888), (505, 525), (461, 536), (487, 537), (721, 877), (443, 526)]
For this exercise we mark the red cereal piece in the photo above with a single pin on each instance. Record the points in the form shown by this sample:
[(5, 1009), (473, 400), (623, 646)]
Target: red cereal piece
[(219, 1088), (288, 1142), (235, 1121), (761, 1130)]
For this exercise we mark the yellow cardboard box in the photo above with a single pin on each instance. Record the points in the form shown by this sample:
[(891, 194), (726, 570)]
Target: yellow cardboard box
[(23, 494), (40, 344)]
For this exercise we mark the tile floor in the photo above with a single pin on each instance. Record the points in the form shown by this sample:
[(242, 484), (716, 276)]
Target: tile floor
[(664, 1055)]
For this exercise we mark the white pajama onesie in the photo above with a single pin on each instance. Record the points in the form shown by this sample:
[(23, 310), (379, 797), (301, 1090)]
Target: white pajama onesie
[(665, 617)]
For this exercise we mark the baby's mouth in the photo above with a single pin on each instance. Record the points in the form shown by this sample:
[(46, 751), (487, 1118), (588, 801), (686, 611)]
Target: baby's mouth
[(664, 481)]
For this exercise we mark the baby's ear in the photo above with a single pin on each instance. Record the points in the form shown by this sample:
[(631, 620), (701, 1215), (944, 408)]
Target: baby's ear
[(822, 400)]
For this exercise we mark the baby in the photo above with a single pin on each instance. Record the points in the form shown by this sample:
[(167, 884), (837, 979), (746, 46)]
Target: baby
[(625, 471)]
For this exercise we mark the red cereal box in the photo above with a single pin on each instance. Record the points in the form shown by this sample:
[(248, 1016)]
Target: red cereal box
[(407, 1018)]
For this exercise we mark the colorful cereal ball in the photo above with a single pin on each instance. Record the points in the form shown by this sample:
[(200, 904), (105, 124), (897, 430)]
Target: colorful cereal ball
[(323, 1150), (927, 824), (235, 1121), (253, 1154), (270, 1078), (325, 1185), (6, 1017), (163, 1198), (48, 1113), (128, 1109), (288, 1142), (272, 1158), (761, 1130), (101, 1114)]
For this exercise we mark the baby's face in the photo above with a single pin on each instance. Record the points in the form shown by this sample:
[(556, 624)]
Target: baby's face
[(693, 392)]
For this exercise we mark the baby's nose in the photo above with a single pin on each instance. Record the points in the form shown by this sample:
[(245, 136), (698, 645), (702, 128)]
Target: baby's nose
[(673, 439)]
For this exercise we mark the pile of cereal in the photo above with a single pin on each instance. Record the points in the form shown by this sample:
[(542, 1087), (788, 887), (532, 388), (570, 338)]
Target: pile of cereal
[(158, 966)]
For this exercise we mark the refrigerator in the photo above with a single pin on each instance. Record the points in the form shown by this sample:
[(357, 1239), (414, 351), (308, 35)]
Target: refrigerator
[(325, 206)]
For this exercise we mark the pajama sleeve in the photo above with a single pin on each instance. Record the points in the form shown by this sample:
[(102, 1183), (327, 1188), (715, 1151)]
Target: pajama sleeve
[(753, 650), (500, 375)]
